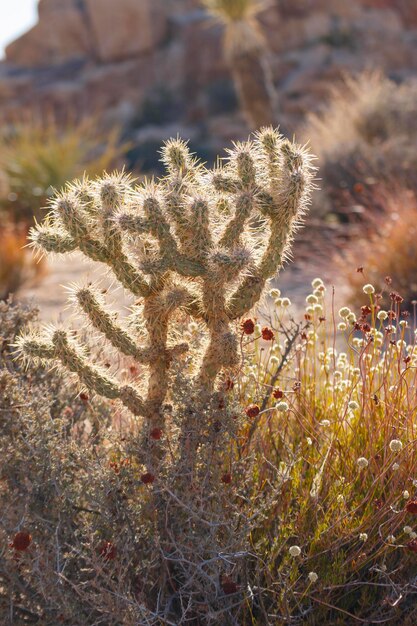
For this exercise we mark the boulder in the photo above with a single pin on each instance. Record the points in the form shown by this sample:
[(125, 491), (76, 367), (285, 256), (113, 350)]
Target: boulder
[(61, 34), (102, 30), (125, 28)]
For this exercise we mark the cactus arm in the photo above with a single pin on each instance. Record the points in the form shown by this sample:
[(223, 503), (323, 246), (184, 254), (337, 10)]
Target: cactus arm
[(236, 226), (170, 257), (93, 377), (76, 223), (60, 348), (46, 238), (104, 322), (250, 290)]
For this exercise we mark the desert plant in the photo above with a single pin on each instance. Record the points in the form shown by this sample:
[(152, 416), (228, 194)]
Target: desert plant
[(39, 156), (245, 52), (387, 250), (333, 425), (17, 264), (201, 244), (365, 135)]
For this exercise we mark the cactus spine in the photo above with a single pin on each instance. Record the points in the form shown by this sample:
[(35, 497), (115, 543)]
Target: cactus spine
[(198, 243)]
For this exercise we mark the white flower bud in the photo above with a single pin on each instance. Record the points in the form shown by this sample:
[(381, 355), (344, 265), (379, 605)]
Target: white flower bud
[(368, 289), (295, 551)]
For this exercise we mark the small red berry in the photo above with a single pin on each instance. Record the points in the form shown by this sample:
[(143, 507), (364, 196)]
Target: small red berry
[(107, 550), (411, 507), (252, 410), (229, 586), (227, 479), (21, 540), (278, 394), (156, 433), (133, 370), (115, 467), (412, 545), (267, 334), (147, 478), (379, 503), (84, 397), (248, 327)]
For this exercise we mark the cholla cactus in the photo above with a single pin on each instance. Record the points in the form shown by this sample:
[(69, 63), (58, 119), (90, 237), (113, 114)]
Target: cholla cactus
[(196, 243), (245, 52)]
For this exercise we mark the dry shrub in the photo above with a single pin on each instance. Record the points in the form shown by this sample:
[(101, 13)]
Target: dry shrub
[(17, 264), (323, 487), (39, 156), (366, 135), (388, 250)]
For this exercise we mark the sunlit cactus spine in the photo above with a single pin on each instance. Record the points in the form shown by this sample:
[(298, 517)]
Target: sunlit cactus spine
[(197, 244)]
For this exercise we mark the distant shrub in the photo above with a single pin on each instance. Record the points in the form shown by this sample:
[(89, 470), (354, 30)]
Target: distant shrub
[(17, 264), (38, 157), (365, 136), (388, 251)]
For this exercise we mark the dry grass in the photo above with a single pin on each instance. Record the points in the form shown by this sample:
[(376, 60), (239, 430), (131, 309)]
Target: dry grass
[(388, 252), (366, 135), (17, 265), (38, 157)]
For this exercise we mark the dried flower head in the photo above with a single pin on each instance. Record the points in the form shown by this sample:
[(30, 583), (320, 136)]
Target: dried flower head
[(294, 551), (252, 410), (21, 541), (267, 334), (362, 462), (395, 445)]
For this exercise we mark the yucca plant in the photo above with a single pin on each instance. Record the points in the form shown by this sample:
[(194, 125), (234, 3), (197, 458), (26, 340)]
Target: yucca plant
[(246, 54)]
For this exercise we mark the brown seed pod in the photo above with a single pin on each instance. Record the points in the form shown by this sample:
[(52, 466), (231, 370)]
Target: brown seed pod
[(252, 410), (147, 478), (248, 327), (107, 550), (21, 541), (267, 334), (156, 433), (411, 507)]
